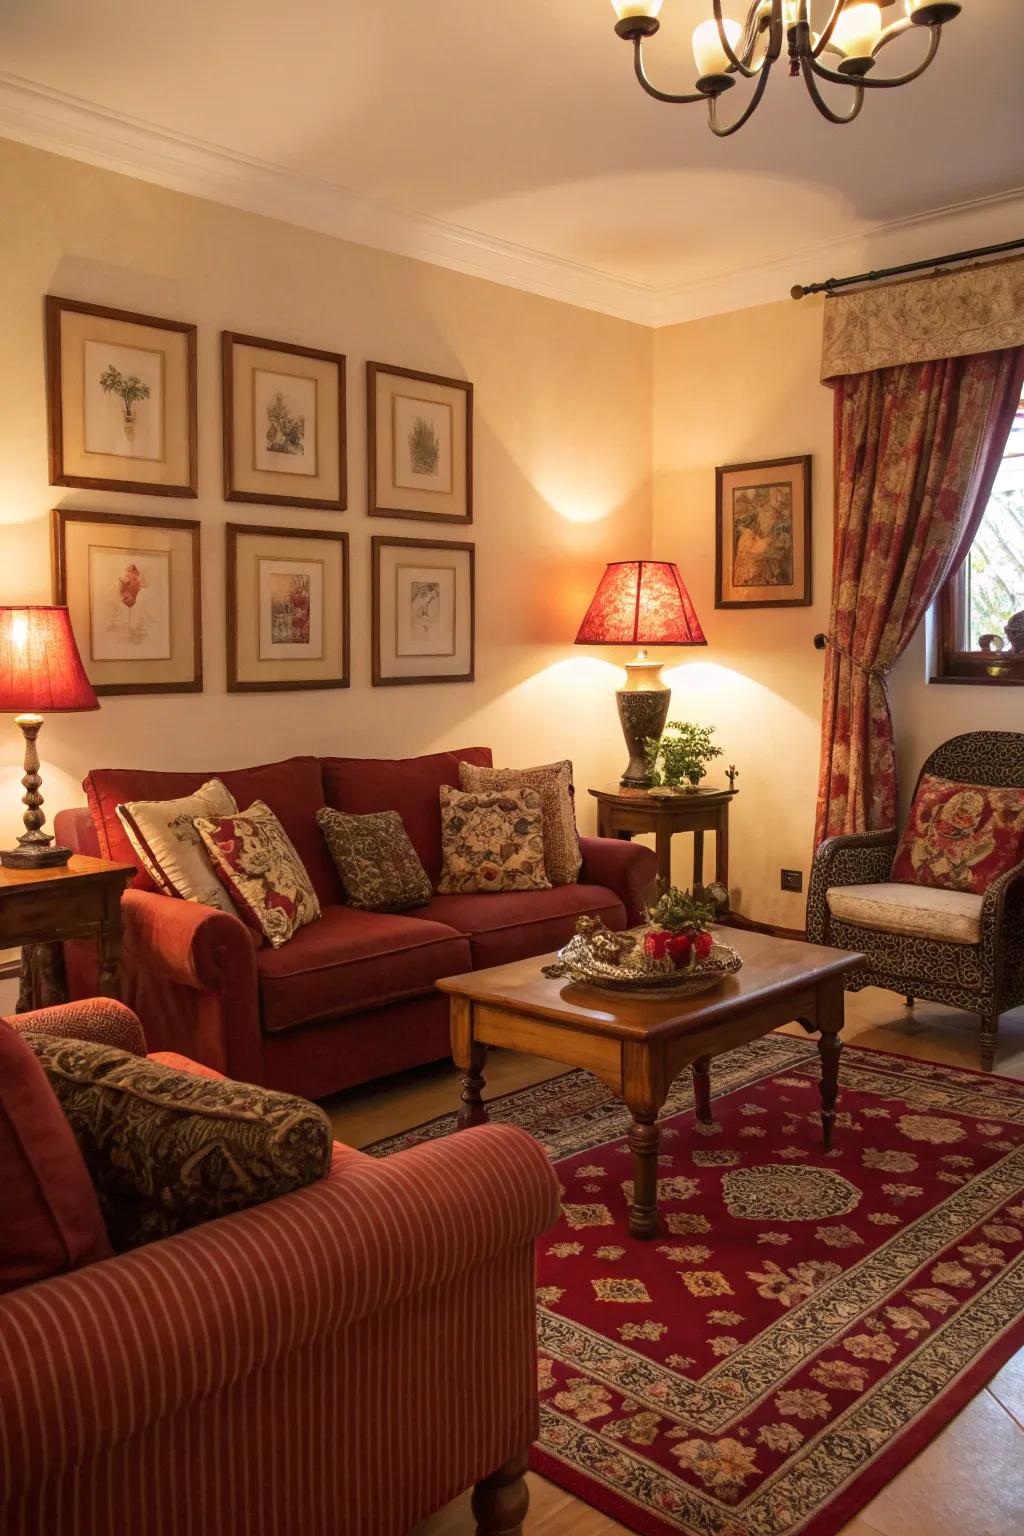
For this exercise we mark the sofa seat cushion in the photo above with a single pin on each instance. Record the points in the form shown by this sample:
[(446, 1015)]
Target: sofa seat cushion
[(510, 925), (352, 960), (924, 912)]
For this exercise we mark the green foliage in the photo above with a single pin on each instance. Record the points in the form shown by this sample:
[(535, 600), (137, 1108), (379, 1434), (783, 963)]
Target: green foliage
[(997, 565), (285, 432), (424, 447), (682, 755), (679, 913), (113, 382)]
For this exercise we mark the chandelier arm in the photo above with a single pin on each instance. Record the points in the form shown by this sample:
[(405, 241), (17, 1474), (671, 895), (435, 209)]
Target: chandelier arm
[(809, 70), (897, 29), (869, 82), (751, 107), (826, 36), (652, 90), (740, 63)]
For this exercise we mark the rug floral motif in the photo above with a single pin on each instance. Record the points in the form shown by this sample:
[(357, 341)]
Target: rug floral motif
[(804, 1322)]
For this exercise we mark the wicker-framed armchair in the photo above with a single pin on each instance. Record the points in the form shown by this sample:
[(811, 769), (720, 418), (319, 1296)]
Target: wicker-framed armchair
[(947, 947)]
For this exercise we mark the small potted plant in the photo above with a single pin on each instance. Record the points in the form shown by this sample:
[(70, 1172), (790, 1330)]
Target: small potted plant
[(680, 757), (678, 930)]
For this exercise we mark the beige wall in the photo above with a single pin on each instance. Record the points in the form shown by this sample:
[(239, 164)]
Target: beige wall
[(737, 388), (563, 460)]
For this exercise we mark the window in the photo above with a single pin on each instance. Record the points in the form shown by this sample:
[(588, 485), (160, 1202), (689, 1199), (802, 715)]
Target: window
[(981, 597)]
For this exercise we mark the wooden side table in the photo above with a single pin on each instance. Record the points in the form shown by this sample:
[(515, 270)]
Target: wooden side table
[(82, 899), (626, 812)]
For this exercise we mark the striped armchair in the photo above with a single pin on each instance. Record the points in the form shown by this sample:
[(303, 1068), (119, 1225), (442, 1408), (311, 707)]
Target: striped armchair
[(346, 1358)]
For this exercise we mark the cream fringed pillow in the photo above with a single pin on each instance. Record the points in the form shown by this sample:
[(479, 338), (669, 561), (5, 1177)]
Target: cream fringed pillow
[(491, 840), (163, 834), (553, 782)]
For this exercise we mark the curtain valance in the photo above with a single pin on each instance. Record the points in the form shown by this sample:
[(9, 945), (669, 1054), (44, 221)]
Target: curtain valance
[(957, 314)]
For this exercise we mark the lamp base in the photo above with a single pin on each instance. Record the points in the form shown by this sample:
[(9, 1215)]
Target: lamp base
[(643, 710), (35, 855)]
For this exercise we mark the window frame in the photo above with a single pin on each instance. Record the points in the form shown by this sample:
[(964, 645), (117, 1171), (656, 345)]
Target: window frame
[(986, 669)]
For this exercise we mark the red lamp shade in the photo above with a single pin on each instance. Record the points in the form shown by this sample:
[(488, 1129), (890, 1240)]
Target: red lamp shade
[(41, 671), (641, 602)]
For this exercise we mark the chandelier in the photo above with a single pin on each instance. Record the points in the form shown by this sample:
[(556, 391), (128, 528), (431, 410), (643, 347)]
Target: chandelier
[(854, 34)]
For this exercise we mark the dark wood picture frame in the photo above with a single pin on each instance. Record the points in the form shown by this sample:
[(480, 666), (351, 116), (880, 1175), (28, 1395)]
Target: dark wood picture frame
[(804, 600), (228, 341), (59, 519), (373, 507), (55, 308), (232, 532), (379, 542)]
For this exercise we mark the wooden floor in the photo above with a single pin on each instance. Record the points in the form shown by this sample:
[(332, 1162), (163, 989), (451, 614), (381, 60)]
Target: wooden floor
[(968, 1482)]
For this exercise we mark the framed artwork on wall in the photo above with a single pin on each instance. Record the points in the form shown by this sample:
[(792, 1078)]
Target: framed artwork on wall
[(284, 424), (287, 609), (419, 445), (133, 588), (121, 400), (423, 611), (763, 534)]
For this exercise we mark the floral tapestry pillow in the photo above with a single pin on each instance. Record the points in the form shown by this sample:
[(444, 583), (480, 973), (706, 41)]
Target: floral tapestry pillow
[(960, 837), (378, 865), (553, 782), (260, 868), (163, 835), (492, 840)]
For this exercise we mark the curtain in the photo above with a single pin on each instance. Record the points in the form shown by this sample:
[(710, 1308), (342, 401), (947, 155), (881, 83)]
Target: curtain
[(917, 447)]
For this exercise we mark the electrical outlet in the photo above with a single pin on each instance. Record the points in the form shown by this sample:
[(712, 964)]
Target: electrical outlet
[(792, 879)]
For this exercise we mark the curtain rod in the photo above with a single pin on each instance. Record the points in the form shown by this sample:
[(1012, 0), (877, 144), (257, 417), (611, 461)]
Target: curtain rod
[(832, 283)]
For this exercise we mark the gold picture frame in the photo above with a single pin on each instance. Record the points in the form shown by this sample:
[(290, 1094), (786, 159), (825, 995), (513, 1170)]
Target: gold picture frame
[(287, 609), (763, 534), (419, 445), (423, 611)]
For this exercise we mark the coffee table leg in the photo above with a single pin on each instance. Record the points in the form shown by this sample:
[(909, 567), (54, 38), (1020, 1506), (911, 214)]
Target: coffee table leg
[(472, 1109), (644, 1137), (702, 1089)]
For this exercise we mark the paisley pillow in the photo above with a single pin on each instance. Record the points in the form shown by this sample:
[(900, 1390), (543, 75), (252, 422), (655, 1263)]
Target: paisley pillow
[(960, 837), (265, 877), (553, 782), (378, 865), (492, 840)]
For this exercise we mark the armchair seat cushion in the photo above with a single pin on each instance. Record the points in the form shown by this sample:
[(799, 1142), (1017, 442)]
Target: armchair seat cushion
[(510, 925), (925, 912)]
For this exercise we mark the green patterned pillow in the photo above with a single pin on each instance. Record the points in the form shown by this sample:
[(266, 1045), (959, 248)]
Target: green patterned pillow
[(167, 1150), (379, 867)]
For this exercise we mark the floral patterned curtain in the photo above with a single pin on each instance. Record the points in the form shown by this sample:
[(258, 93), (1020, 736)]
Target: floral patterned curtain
[(917, 447)]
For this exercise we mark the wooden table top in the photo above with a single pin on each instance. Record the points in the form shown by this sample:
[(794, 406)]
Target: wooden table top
[(79, 866), (772, 968), (625, 796)]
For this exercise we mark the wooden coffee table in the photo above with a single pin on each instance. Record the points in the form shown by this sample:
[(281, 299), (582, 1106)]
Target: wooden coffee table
[(639, 1047)]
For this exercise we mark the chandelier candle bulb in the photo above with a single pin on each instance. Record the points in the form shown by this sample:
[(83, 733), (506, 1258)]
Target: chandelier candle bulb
[(858, 29), (625, 9), (708, 52)]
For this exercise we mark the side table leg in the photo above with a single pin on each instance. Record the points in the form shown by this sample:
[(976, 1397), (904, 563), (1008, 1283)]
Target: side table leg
[(109, 942), (644, 1138), (697, 889), (702, 1089)]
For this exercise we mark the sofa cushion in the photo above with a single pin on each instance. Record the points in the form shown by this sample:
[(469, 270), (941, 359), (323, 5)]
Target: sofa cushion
[(163, 835), (411, 786), (378, 865), (553, 782), (264, 875), (960, 837), (293, 789), (953, 917), (492, 840), (352, 960), (509, 925), (51, 1218)]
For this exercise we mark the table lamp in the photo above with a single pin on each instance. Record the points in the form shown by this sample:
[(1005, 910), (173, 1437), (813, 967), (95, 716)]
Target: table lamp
[(641, 602), (40, 671)]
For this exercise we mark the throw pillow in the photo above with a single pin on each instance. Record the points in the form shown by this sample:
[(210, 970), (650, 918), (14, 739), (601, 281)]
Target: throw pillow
[(167, 1149), (377, 862), (51, 1219), (960, 837), (163, 835), (553, 782), (492, 840), (266, 878)]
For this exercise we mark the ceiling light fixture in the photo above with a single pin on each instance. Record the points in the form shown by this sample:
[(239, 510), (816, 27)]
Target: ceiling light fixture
[(724, 48)]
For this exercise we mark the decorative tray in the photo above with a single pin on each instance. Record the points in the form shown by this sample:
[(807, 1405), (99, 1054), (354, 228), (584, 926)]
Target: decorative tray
[(616, 963)]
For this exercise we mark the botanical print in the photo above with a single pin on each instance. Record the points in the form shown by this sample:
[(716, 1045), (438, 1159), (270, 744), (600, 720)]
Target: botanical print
[(284, 415), (425, 610), (761, 536), (123, 401), (129, 604), (422, 442), (291, 601)]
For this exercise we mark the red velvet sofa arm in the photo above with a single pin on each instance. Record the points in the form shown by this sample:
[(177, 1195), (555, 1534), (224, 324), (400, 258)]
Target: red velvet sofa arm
[(99, 1019), (628, 869), (90, 1360)]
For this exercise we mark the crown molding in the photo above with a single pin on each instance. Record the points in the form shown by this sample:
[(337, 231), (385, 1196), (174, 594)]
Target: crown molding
[(65, 125)]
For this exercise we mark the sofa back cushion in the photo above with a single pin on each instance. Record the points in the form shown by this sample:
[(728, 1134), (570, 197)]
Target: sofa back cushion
[(51, 1217), (293, 789), (410, 785), (960, 837)]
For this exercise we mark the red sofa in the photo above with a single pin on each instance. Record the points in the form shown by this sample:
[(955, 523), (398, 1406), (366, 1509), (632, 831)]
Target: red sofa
[(346, 1358), (350, 997)]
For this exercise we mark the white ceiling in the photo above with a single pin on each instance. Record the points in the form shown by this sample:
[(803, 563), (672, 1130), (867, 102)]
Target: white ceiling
[(510, 137)]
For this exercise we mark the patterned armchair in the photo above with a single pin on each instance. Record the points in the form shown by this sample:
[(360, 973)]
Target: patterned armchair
[(946, 946)]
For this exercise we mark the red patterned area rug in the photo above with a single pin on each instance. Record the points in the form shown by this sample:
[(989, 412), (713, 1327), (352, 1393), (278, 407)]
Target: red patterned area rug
[(805, 1322)]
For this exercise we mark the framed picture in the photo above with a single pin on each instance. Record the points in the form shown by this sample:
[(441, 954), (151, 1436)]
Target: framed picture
[(132, 586), (423, 611), (287, 609), (121, 400), (419, 445), (284, 424), (763, 534)]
